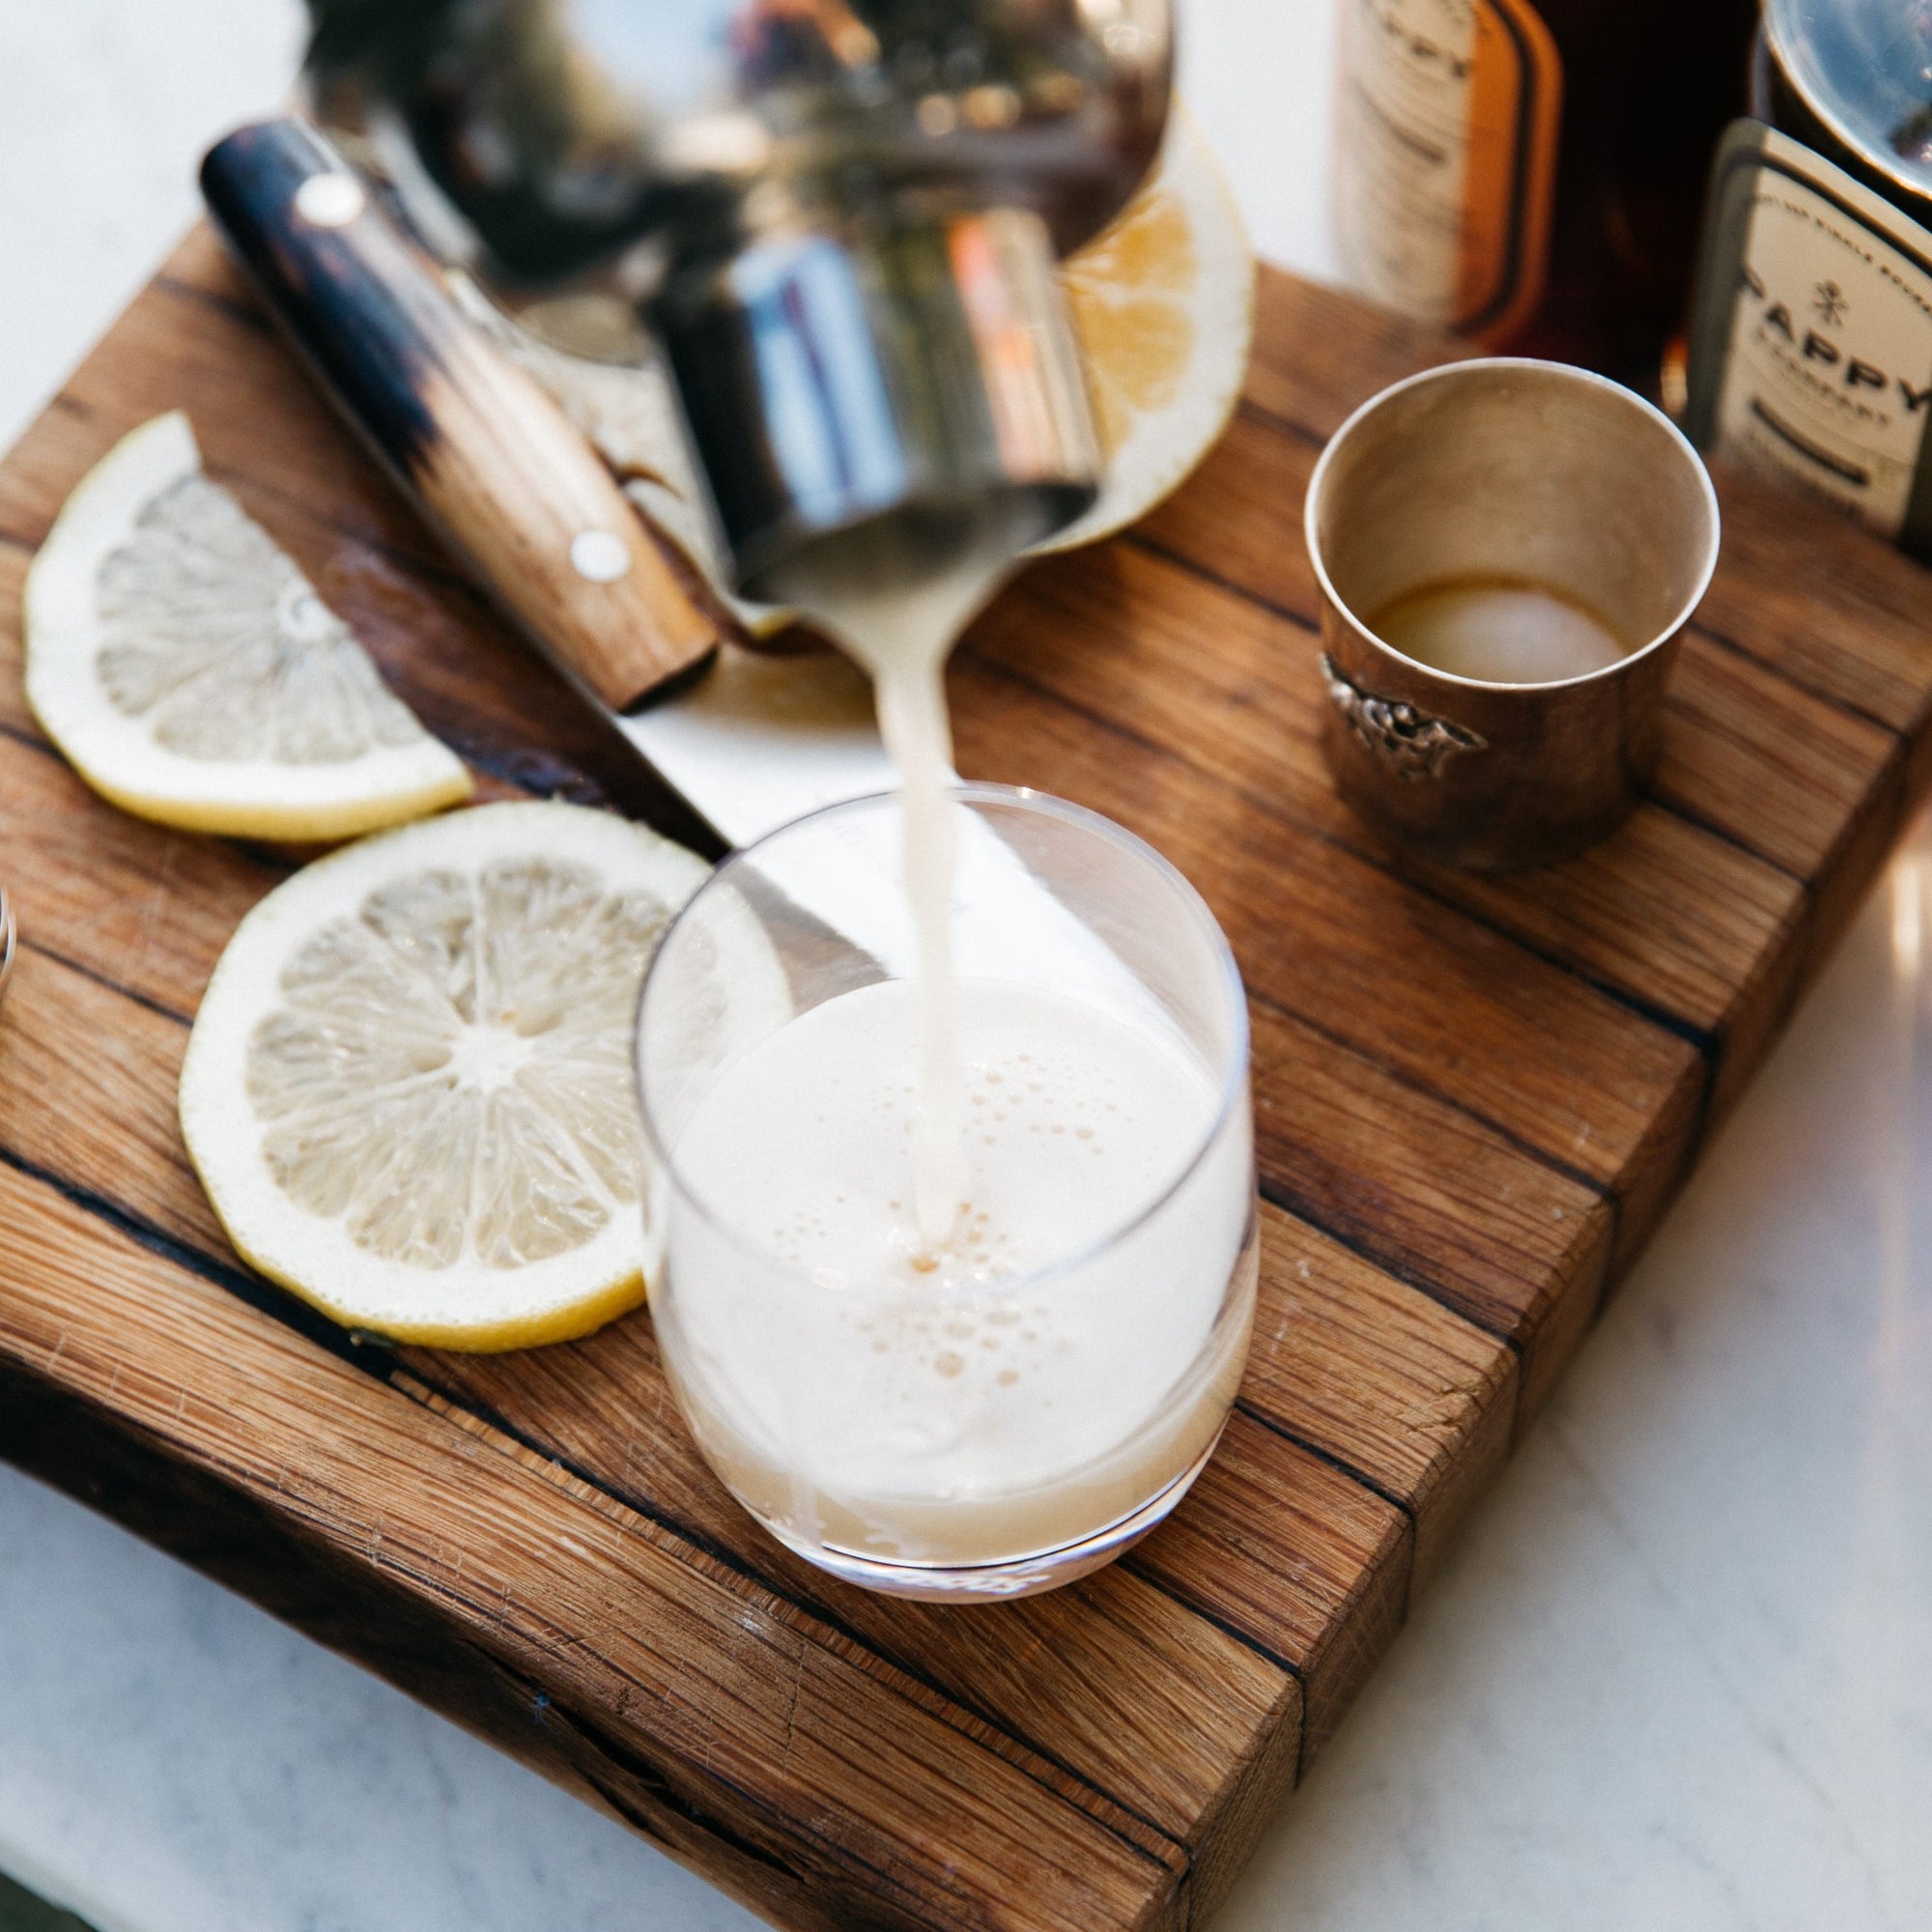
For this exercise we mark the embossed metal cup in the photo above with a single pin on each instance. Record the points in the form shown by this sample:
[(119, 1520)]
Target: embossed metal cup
[(1510, 472)]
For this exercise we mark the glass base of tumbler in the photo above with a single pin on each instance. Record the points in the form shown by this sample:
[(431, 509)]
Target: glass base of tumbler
[(1000, 1582)]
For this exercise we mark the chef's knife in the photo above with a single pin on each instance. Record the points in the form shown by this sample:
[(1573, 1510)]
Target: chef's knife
[(750, 739)]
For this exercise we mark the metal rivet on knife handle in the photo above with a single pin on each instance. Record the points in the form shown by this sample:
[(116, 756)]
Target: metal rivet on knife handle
[(599, 556), (330, 200), (490, 459)]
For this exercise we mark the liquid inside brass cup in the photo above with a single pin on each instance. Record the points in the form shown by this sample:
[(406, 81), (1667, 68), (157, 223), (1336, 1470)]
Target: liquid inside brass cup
[(1508, 553)]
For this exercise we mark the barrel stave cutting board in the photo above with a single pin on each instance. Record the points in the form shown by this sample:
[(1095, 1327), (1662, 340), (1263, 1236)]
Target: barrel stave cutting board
[(1474, 1099)]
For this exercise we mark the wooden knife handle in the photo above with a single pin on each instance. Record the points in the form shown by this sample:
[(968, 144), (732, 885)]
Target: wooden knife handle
[(494, 464)]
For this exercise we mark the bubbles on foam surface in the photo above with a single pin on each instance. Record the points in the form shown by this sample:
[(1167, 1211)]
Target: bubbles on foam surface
[(1047, 1099), (991, 1342), (1076, 1128)]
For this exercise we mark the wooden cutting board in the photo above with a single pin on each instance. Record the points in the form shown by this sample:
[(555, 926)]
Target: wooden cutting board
[(1475, 1098)]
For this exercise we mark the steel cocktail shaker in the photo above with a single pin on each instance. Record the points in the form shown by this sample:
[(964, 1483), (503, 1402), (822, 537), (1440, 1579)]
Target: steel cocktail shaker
[(840, 217)]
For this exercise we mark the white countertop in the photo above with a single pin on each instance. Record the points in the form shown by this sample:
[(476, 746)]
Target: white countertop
[(1675, 1676)]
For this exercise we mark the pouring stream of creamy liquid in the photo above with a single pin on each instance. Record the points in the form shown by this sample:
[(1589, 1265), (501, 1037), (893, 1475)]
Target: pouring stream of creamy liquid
[(902, 634)]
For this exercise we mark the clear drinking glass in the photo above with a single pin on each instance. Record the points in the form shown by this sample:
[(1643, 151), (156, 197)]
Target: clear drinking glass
[(1018, 1415)]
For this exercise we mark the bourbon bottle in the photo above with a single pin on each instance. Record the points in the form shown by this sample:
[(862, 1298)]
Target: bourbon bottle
[(1812, 343), (1529, 171)]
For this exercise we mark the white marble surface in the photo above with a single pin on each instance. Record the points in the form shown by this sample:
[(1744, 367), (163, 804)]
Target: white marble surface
[(1675, 1676), (104, 108)]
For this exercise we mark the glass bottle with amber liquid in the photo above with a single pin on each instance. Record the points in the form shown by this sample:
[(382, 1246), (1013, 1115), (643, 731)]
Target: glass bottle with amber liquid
[(1529, 171), (1812, 344)]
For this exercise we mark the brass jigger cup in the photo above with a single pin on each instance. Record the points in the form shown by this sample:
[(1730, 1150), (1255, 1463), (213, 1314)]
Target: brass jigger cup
[(1511, 472)]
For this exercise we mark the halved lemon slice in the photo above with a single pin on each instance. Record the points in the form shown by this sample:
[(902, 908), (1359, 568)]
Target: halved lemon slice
[(408, 1091), (191, 674), (1163, 303)]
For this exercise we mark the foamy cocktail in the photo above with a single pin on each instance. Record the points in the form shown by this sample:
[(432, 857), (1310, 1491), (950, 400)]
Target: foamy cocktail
[(977, 1396)]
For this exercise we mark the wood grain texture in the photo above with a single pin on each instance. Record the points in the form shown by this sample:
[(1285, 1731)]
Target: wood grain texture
[(1473, 1100), (603, 1405), (1380, 1379), (683, 1663), (1437, 1197)]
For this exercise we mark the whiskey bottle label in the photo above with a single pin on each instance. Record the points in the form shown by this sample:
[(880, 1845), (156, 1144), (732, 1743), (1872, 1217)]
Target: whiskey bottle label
[(1449, 118), (1811, 345)]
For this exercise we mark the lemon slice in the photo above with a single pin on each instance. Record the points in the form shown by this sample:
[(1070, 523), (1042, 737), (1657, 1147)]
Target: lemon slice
[(191, 674), (408, 1091), (1163, 303)]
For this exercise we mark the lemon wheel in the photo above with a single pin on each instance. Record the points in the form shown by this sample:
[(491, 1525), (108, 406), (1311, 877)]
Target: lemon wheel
[(408, 1091)]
